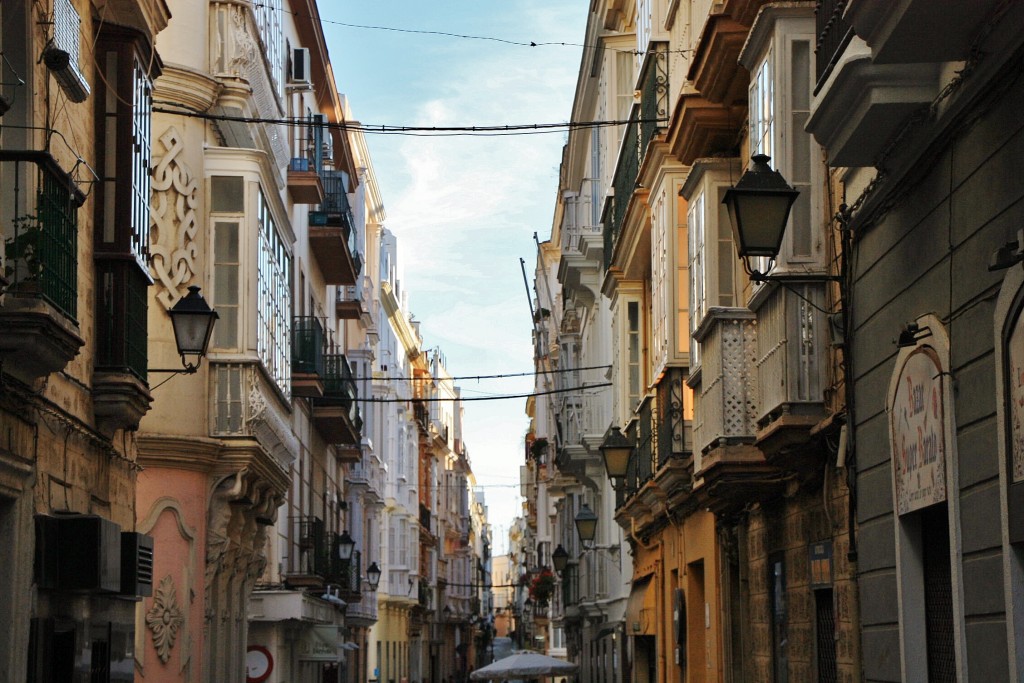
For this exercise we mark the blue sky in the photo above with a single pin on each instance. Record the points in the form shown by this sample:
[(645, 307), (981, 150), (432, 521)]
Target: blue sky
[(465, 208)]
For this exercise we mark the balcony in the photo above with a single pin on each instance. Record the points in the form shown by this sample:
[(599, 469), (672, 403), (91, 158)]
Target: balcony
[(582, 243), (834, 34), (653, 95), (715, 71), (727, 464), (309, 559), (119, 390), (332, 233), (308, 367), (623, 184), (702, 128), (659, 472), (348, 574), (791, 364), (304, 184), (349, 303), (336, 414), (862, 96), (915, 31), (39, 217)]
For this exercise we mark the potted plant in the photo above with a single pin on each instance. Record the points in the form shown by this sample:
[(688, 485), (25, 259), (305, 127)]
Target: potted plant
[(22, 265)]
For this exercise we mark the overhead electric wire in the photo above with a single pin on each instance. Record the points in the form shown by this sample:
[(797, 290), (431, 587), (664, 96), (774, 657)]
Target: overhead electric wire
[(435, 399), (388, 129), (479, 377), (465, 36)]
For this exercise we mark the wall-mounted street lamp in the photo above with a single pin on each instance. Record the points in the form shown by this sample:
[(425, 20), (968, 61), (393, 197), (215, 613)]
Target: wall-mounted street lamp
[(759, 206), (560, 559), (373, 576), (346, 546), (616, 451), (192, 320), (586, 525)]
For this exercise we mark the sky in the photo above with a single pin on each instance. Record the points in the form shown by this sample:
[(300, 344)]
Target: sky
[(465, 209)]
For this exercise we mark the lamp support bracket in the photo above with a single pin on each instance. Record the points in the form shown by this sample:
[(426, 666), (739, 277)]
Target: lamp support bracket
[(793, 278)]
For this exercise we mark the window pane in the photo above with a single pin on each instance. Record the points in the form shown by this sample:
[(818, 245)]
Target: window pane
[(228, 194)]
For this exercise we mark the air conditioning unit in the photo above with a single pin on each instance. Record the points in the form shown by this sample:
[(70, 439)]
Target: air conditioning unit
[(136, 564), (80, 553), (300, 65)]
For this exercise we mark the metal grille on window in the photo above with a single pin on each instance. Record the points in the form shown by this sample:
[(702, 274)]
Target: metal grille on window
[(825, 631), (938, 595)]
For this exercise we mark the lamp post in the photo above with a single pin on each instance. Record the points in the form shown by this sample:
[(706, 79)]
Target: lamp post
[(192, 320)]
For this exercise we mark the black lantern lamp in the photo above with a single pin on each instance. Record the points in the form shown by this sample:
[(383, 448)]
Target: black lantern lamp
[(346, 546), (586, 524), (373, 576), (616, 450), (759, 207), (447, 613), (560, 559), (192, 320)]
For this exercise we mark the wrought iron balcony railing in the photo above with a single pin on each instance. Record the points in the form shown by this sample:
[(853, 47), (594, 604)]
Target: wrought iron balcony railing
[(39, 206), (623, 184), (834, 33), (654, 94), (308, 346), (339, 386), (122, 339), (346, 573), (310, 546)]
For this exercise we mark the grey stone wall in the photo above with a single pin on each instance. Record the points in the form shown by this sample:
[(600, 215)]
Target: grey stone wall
[(929, 254)]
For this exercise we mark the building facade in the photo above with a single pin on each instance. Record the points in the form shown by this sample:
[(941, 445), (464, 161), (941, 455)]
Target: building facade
[(75, 114), (932, 199)]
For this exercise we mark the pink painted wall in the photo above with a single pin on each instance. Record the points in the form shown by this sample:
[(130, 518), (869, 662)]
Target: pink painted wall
[(172, 507)]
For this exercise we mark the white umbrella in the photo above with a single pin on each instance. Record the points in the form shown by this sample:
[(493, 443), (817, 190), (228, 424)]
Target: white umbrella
[(523, 664)]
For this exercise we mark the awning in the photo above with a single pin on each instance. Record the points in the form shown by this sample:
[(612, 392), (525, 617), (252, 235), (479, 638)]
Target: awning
[(640, 609), (320, 644)]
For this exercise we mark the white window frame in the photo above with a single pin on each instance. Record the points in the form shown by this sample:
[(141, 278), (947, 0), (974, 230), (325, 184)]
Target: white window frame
[(713, 263), (779, 108), (273, 304), (268, 22)]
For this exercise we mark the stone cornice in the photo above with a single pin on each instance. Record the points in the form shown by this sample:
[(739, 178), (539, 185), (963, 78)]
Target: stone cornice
[(211, 456), (174, 451), (189, 88)]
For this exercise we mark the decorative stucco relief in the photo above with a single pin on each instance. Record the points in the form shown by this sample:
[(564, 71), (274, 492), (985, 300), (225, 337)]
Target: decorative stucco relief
[(165, 618), (173, 246)]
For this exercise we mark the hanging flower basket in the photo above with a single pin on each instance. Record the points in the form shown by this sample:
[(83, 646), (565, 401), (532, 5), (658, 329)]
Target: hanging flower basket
[(542, 586)]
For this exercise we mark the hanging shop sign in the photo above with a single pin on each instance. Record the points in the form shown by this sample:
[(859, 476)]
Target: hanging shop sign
[(319, 644), (917, 421)]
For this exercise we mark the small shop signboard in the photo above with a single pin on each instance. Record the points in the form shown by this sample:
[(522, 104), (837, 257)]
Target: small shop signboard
[(917, 421)]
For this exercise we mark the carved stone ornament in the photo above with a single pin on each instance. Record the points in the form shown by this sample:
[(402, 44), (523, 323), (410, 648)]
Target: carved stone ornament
[(173, 220), (165, 618)]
